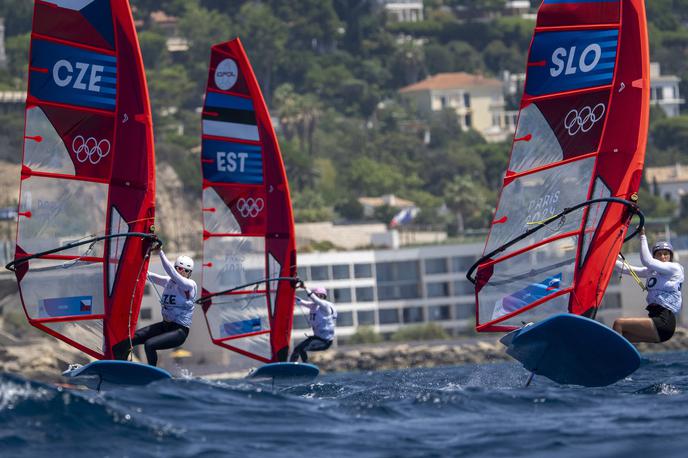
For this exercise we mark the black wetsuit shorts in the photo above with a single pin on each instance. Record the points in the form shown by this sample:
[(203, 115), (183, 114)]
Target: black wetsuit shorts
[(664, 320)]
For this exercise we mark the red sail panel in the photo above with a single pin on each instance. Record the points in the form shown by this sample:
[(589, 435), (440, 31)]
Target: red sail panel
[(581, 135), (88, 170), (247, 215)]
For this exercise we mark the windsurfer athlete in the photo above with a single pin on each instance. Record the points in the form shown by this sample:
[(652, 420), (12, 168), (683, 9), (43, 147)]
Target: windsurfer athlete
[(177, 301), (663, 285), (322, 318)]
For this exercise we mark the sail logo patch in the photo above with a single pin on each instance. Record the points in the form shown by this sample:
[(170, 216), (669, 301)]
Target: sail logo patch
[(89, 149), (565, 61), (250, 207), (569, 57), (584, 119), (74, 76), (66, 306), (226, 74), (229, 116), (228, 162)]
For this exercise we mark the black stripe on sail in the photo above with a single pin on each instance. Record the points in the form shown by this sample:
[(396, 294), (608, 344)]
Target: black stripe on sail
[(230, 115)]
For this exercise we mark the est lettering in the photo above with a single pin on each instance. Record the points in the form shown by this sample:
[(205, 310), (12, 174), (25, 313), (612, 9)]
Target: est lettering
[(81, 75), (231, 161), (566, 60)]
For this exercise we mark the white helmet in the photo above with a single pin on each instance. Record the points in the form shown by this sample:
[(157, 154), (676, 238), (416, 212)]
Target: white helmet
[(184, 262)]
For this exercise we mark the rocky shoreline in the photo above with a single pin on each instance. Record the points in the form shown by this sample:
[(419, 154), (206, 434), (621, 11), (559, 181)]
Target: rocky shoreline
[(44, 360)]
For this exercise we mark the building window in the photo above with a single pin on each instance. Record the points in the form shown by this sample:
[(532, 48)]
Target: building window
[(413, 314), (304, 273), (443, 102), (146, 314), (388, 316), (463, 287), (366, 317), (465, 311), (147, 290), (398, 280), (365, 294), (342, 295), (437, 289), (436, 266), (341, 272), (363, 270), (300, 322), (345, 319), (469, 121), (462, 263), (467, 100), (439, 313), (611, 301), (320, 273), (396, 292)]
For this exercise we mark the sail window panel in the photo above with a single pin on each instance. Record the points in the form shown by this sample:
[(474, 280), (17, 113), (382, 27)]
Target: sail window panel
[(535, 197), (232, 261), (234, 315), (554, 306), (217, 217), (117, 226), (44, 149), (257, 345), (53, 288), (61, 211), (521, 280), (542, 146), (595, 213), (88, 333)]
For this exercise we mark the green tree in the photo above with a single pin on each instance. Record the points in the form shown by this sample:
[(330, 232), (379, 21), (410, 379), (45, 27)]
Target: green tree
[(467, 199)]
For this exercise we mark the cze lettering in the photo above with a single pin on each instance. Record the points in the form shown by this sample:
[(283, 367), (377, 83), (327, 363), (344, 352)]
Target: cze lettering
[(230, 161), (565, 61), (81, 76), (169, 299)]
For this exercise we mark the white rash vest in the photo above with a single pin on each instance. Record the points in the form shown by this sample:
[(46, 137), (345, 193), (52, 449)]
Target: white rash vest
[(322, 316), (178, 297), (664, 279)]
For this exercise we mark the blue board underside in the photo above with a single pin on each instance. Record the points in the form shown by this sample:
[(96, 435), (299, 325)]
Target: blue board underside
[(285, 371), (119, 372), (573, 350)]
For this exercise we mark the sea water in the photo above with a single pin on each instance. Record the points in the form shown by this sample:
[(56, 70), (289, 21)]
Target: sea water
[(473, 410)]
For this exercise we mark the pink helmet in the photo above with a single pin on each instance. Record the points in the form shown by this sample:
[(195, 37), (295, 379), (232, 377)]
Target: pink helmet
[(320, 291)]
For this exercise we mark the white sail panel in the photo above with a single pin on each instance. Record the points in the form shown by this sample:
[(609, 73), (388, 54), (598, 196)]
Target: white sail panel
[(117, 226), (258, 345), (88, 333), (536, 144), (232, 261), (44, 149), (59, 211), (535, 197), (52, 288), (521, 280), (237, 314), (217, 217)]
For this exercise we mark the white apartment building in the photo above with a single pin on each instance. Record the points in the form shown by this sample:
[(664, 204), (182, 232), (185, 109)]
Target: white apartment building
[(475, 98), (404, 10), (664, 91)]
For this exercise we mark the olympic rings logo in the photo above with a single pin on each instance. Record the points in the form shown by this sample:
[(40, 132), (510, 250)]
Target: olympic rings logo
[(250, 207), (583, 120), (89, 149)]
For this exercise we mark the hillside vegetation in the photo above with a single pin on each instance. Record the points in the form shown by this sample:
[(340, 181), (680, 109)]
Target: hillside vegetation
[(330, 71)]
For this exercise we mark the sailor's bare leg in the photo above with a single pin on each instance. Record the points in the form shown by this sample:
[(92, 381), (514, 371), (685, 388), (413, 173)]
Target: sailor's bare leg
[(637, 329)]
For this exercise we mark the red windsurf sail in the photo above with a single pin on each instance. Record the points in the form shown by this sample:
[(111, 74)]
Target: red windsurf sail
[(575, 166), (249, 255), (87, 193)]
